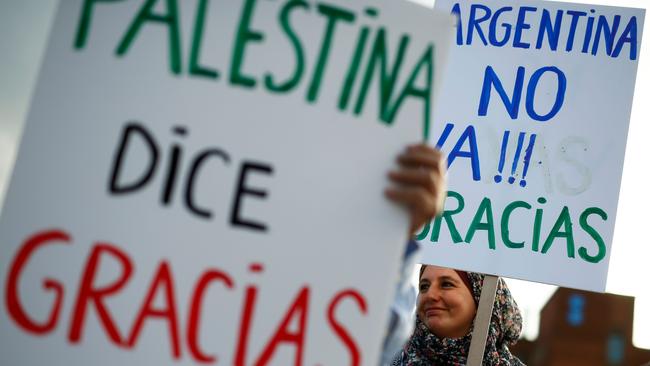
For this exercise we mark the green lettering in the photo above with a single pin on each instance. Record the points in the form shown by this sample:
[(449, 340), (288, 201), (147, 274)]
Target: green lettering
[(602, 249), (387, 78), (244, 35), (484, 209), (333, 15), (297, 46), (197, 37), (170, 19), (426, 64), (353, 69), (447, 216), (505, 221), (537, 227), (85, 20), (423, 234), (563, 221)]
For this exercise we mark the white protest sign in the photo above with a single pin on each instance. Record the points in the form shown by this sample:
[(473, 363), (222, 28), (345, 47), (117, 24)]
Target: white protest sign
[(534, 115), (202, 182)]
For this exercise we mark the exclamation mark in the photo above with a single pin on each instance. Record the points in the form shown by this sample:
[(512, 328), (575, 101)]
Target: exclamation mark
[(520, 144), (529, 153), (502, 158)]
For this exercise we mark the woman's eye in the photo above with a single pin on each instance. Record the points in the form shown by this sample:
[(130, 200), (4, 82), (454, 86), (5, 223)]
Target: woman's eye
[(447, 284), (424, 287)]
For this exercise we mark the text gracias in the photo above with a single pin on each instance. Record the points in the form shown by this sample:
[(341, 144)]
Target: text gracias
[(94, 292)]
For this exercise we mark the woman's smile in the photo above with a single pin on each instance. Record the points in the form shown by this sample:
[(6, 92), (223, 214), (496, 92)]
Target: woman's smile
[(445, 303)]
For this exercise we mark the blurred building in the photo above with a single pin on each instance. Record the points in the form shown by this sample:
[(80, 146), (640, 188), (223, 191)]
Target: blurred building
[(584, 328)]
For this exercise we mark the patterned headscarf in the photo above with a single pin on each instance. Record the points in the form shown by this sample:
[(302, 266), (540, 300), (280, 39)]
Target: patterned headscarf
[(425, 348)]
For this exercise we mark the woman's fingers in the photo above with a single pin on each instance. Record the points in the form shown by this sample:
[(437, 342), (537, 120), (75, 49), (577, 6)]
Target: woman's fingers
[(422, 204), (414, 176), (412, 197), (420, 183), (422, 156)]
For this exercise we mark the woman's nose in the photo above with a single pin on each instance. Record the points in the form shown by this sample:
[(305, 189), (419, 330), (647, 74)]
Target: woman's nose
[(433, 294)]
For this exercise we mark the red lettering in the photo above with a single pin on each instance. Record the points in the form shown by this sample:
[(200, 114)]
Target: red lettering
[(245, 325), (163, 280), (195, 312), (89, 293), (291, 331), (355, 353), (247, 316), (283, 335), (12, 289)]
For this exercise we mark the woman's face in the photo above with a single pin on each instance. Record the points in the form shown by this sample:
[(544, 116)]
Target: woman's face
[(445, 304)]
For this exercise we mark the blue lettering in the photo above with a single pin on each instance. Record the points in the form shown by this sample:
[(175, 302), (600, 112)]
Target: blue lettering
[(459, 26), (608, 33), (551, 31), (521, 25), (588, 31), (470, 135), (575, 17), (530, 27), (493, 25), (474, 22), (445, 134), (491, 79), (559, 96), (628, 36)]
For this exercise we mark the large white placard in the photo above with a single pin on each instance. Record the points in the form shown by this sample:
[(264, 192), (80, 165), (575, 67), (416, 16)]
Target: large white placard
[(202, 182), (534, 115)]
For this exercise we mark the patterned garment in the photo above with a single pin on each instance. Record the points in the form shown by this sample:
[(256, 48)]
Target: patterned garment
[(425, 348)]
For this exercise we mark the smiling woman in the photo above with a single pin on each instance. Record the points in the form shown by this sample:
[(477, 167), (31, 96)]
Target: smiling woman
[(445, 303), (446, 308)]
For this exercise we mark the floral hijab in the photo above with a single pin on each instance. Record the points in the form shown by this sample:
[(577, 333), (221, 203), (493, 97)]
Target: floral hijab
[(425, 348)]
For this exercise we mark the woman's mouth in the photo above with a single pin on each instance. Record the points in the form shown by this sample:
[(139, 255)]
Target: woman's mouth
[(434, 311)]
